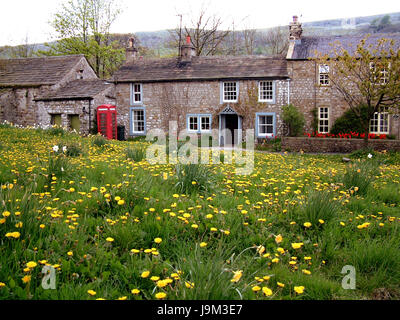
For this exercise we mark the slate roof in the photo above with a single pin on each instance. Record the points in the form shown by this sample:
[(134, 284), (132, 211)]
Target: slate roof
[(35, 71), (77, 89), (306, 48), (202, 68)]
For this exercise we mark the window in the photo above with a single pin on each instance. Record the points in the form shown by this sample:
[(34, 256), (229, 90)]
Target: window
[(382, 75), (230, 92), (266, 91), (138, 120), (323, 120), (265, 124), (198, 122), (136, 93), (55, 120), (380, 122), (323, 75)]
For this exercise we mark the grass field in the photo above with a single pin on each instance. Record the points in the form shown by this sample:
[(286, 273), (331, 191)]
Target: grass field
[(115, 227)]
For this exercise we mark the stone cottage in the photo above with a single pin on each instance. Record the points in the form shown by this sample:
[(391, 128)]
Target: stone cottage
[(235, 92), (202, 93), (310, 88), (51, 90)]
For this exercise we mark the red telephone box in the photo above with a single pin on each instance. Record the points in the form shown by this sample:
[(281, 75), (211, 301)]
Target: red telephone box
[(107, 121)]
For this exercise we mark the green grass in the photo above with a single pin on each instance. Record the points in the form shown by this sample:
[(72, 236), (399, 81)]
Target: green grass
[(212, 222)]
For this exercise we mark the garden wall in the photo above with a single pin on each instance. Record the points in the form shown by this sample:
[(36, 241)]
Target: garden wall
[(324, 145)]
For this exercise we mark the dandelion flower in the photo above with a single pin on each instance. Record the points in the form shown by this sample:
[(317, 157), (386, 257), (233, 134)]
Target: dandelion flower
[(237, 275), (299, 289), (145, 274), (91, 292), (267, 291), (160, 295), (203, 244), (256, 288), (278, 239), (26, 279), (307, 224), (157, 240), (135, 291), (109, 239), (31, 264)]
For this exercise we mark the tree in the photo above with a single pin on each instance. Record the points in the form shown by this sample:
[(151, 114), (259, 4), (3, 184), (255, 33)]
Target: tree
[(205, 34), (276, 39), (368, 79), (83, 27)]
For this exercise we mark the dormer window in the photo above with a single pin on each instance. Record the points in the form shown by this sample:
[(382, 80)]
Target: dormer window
[(79, 74), (323, 75)]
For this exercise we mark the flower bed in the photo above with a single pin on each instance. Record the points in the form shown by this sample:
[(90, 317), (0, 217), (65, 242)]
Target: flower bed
[(351, 135)]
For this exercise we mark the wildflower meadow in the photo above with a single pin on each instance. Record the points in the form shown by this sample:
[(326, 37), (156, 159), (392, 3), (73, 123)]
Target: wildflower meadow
[(88, 218)]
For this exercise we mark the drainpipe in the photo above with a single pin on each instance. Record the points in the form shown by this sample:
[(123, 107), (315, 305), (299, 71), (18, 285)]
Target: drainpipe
[(90, 116), (288, 91)]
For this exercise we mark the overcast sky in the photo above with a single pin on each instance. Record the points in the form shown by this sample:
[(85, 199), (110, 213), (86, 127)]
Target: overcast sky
[(21, 19)]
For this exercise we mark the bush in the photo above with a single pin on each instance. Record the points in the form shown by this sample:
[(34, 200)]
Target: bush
[(350, 122), (294, 119)]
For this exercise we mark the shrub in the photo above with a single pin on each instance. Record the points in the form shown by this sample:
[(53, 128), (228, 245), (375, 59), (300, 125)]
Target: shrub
[(350, 122), (193, 177), (294, 119)]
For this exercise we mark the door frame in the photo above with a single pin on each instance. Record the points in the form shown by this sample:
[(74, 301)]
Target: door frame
[(222, 125)]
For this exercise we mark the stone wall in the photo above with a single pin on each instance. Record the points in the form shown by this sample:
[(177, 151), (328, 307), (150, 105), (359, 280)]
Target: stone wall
[(172, 101), (326, 145)]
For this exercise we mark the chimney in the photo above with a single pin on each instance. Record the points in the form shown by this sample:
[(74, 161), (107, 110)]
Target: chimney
[(295, 29), (187, 51), (131, 51)]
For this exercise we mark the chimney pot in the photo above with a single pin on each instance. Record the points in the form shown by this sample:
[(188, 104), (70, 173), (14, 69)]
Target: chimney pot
[(187, 51), (131, 51)]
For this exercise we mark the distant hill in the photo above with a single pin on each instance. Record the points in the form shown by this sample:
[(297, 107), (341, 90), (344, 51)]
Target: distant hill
[(158, 43)]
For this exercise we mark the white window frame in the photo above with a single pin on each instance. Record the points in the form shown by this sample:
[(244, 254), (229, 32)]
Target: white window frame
[(134, 93), (380, 121), (198, 118), (260, 91), (384, 73), (323, 75), (265, 135), (134, 131), (236, 91), (324, 119)]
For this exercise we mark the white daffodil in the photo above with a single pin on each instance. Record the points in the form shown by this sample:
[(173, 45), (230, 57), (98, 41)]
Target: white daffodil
[(64, 149), (369, 156), (55, 148)]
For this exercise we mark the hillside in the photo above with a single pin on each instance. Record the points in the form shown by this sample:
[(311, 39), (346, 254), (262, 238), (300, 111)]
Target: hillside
[(159, 44)]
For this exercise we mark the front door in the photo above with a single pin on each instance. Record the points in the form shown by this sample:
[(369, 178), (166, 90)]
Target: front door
[(230, 129), (74, 122)]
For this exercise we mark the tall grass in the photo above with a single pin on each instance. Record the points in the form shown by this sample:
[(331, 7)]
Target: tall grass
[(319, 206), (193, 178)]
